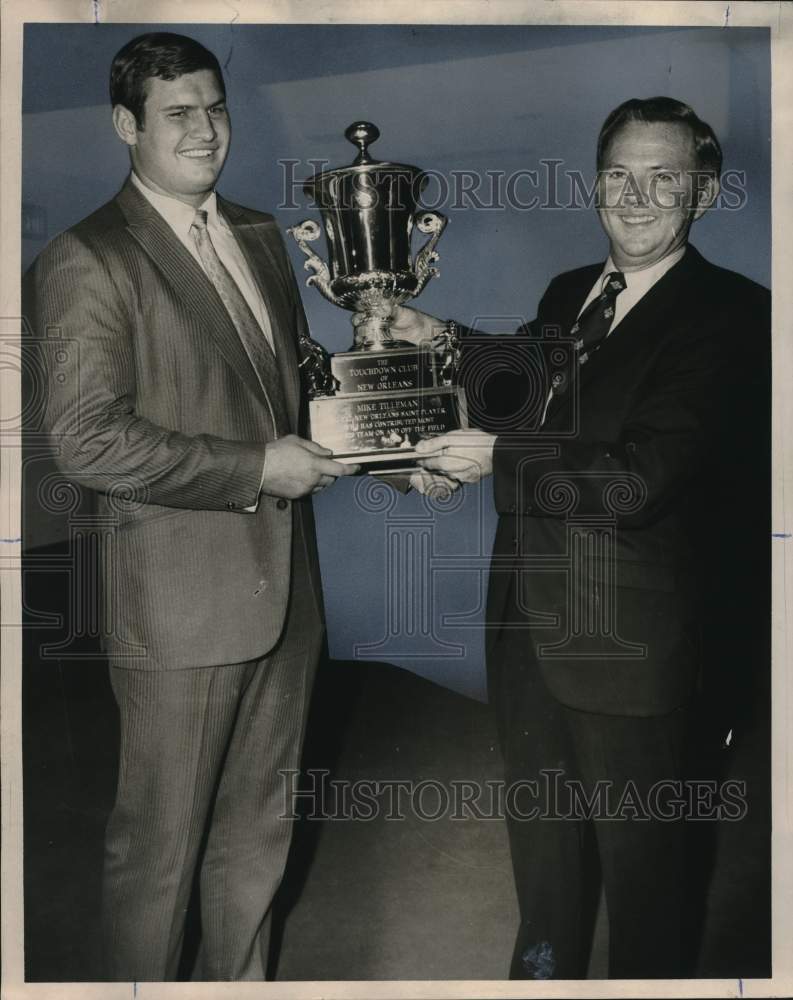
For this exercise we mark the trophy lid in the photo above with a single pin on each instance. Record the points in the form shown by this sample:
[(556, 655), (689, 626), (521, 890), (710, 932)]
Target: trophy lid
[(324, 186)]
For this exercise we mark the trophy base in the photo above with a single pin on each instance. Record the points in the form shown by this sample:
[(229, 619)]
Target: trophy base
[(380, 430), (369, 347)]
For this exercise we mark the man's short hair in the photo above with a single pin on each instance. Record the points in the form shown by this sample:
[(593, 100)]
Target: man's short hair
[(160, 54), (664, 109)]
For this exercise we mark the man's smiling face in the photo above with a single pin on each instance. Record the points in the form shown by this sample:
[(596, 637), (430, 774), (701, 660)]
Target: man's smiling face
[(647, 190), (184, 139)]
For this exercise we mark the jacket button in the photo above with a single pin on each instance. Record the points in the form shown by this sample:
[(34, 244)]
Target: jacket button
[(230, 505), (282, 504)]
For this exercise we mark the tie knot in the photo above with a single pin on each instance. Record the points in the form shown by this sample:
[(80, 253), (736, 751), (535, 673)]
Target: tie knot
[(614, 283), (200, 219)]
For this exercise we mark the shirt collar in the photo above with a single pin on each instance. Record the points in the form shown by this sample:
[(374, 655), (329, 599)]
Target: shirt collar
[(177, 214), (639, 282)]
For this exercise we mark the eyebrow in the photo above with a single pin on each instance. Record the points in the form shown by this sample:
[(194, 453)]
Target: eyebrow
[(189, 107), (654, 166)]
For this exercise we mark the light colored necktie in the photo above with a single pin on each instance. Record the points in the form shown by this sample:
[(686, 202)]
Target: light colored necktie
[(256, 344)]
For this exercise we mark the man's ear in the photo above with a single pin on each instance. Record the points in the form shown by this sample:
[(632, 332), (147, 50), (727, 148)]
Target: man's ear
[(125, 125), (706, 195)]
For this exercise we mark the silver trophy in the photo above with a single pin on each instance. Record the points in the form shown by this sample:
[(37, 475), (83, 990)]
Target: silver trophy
[(369, 210), (371, 404)]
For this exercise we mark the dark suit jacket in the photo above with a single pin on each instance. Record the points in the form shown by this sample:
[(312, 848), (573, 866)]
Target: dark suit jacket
[(152, 401), (610, 505)]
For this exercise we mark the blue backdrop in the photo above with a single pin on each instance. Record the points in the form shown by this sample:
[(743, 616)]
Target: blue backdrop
[(405, 580)]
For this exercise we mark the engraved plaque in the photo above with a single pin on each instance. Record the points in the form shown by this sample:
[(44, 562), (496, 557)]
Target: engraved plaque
[(380, 429)]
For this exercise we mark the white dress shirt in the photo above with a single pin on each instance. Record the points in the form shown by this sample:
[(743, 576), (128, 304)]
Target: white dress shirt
[(637, 284)]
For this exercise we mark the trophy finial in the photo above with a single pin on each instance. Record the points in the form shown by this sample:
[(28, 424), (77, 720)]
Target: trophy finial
[(362, 135)]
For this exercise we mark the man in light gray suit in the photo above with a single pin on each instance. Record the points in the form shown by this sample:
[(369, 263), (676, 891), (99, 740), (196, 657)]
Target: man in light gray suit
[(184, 398)]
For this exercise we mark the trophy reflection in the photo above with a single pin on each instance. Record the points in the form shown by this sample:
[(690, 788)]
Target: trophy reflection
[(373, 403)]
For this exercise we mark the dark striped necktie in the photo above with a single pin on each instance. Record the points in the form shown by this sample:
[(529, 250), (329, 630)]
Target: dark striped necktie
[(256, 344), (592, 326)]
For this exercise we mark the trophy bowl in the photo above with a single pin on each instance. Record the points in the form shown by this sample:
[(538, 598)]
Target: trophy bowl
[(369, 211)]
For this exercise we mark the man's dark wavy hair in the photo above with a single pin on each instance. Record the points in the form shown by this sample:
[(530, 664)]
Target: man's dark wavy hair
[(160, 54), (664, 109)]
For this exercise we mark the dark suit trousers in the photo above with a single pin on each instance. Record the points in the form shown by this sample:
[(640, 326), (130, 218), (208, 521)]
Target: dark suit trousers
[(558, 862), (199, 785)]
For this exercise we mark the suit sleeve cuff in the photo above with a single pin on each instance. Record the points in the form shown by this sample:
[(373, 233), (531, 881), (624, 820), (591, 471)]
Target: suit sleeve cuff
[(254, 507)]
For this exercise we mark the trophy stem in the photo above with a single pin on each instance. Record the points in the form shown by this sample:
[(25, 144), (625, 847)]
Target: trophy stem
[(372, 332)]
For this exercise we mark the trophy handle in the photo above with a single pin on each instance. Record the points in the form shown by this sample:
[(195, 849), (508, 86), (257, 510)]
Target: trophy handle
[(303, 234), (432, 224)]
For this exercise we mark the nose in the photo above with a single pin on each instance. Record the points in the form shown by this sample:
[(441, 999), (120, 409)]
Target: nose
[(636, 192), (202, 126)]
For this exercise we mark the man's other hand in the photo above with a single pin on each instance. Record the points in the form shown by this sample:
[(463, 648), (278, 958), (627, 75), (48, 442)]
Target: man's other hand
[(418, 327), (440, 487), (463, 455), (294, 467)]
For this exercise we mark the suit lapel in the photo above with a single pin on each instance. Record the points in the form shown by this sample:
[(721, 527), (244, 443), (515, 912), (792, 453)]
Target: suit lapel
[(252, 238), (646, 320), (187, 280), (565, 314), (574, 296)]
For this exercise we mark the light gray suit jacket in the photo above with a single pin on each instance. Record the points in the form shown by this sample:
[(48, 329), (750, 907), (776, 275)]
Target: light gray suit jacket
[(159, 409)]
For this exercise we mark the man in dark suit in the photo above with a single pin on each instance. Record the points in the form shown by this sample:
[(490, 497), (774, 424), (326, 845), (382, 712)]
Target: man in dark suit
[(182, 407), (607, 487)]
